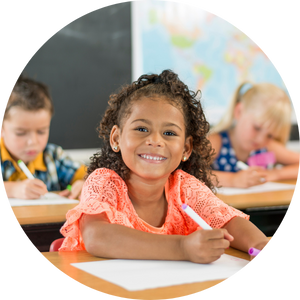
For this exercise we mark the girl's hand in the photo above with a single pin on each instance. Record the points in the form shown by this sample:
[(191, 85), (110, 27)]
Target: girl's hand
[(250, 177), (205, 246), (263, 246), (75, 190), (29, 189), (272, 175)]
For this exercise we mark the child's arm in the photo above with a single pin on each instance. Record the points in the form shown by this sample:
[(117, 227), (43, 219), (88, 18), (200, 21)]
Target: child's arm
[(25, 189), (75, 191), (241, 179), (104, 239), (246, 234), (69, 172), (10, 187), (289, 159), (286, 172)]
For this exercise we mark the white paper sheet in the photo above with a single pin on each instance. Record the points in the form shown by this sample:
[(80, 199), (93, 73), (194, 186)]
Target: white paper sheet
[(134, 275), (48, 199), (265, 187)]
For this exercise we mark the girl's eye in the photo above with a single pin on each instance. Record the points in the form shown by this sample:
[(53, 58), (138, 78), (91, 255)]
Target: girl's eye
[(142, 129), (170, 133), (257, 128), (42, 132)]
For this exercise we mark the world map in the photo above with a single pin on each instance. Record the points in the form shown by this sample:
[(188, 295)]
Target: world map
[(207, 52)]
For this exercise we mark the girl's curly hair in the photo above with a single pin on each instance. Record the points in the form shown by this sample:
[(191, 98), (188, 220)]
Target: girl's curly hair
[(168, 86)]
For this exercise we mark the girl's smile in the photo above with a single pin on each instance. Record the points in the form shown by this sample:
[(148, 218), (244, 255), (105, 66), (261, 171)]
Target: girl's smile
[(152, 139), (152, 158)]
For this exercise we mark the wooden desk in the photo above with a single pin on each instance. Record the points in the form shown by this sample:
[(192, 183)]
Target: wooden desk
[(40, 214), (266, 210), (62, 261), (266, 199), (42, 223)]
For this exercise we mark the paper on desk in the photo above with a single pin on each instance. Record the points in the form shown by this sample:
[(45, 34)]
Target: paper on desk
[(265, 187), (48, 199), (134, 275)]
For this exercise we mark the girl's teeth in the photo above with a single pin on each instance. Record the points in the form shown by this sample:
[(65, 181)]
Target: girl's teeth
[(153, 158)]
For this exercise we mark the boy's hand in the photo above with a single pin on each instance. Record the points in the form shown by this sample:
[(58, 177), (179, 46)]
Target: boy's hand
[(263, 246), (75, 190), (250, 177), (29, 189), (205, 246)]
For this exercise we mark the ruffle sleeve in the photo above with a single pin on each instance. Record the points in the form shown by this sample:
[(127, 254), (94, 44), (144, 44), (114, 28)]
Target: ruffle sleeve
[(103, 192)]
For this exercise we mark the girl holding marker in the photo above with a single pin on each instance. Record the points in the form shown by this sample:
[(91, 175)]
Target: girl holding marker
[(155, 158), (254, 130)]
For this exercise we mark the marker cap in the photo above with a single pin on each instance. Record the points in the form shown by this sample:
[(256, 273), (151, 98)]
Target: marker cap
[(253, 251)]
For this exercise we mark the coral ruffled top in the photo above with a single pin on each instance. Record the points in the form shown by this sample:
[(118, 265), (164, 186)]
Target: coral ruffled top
[(105, 191)]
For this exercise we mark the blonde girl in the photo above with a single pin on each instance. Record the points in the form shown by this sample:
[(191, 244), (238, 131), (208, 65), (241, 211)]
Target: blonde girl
[(258, 121)]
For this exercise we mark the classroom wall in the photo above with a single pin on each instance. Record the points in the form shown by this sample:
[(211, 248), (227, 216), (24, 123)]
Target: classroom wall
[(207, 52), (83, 64)]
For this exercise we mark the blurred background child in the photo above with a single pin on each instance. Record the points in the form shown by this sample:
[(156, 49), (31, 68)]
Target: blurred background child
[(24, 136), (254, 130)]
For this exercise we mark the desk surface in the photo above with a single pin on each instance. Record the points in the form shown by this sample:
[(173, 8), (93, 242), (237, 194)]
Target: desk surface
[(41, 214), (266, 199), (62, 261)]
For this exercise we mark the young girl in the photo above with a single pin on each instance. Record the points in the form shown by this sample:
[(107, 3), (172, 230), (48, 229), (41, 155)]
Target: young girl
[(25, 132), (254, 130), (155, 158)]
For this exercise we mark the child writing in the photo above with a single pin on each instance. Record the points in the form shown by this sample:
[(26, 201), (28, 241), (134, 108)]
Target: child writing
[(24, 136), (255, 129), (155, 158)]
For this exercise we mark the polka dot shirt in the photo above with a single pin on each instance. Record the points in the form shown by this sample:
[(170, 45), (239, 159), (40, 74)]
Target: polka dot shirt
[(226, 161)]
